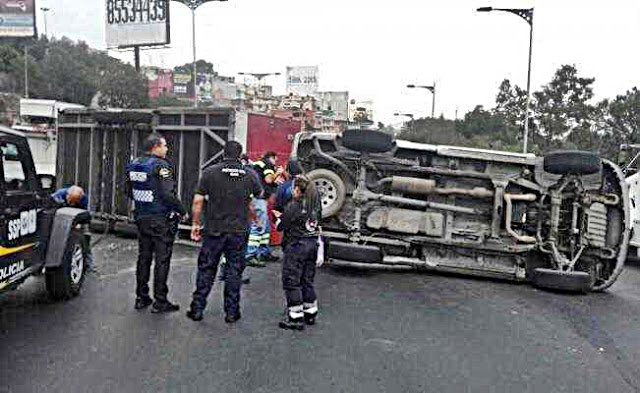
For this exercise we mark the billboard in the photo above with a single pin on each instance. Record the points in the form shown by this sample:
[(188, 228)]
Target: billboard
[(302, 81), (137, 23), (360, 111), (334, 104), (181, 82), (18, 18)]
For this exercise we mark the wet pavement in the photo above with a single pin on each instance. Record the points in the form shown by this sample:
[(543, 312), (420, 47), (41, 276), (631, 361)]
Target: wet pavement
[(377, 332)]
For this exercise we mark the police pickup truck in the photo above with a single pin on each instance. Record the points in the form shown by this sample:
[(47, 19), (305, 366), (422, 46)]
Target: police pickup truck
[(36, 236)]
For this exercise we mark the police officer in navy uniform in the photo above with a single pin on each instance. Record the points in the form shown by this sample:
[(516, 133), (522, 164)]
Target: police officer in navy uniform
[(151, 185), (228, 188), (299, 221)]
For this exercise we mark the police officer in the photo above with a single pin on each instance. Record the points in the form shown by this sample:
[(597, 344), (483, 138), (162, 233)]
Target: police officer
[(151, 185), (300, 225), (228, 188)]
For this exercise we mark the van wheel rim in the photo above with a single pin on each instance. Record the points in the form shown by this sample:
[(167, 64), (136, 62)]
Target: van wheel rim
[(327, 190), (77, 264)]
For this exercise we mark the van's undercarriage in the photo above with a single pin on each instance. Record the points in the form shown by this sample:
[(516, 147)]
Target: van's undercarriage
[(560, 221)]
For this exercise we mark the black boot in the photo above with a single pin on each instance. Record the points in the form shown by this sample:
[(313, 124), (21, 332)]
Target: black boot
[(142, 302), (270, 258), (194, 315), (254, 262), (232, 318), (292, 323), (164, 307), (310, 318)]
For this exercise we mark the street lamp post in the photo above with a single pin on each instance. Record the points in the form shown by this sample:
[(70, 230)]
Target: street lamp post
[(432, 89), (193, 6), (410, 116), (44, 13), (527, 15)]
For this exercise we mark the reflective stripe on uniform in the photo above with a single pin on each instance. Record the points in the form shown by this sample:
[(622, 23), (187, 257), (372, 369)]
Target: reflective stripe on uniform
[(254, 240), (143, 196), (268, 172), (138, 176), (310, 308), (265, 239), (296, 312)]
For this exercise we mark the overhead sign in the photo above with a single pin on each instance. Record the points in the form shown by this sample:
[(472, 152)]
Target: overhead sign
[(302, 81), (18, 18), (137, 23)]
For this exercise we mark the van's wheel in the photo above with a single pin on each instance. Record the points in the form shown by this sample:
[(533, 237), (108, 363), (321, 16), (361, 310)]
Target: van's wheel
[(331, 188), (575, 281), (64, 282), (574, 162)]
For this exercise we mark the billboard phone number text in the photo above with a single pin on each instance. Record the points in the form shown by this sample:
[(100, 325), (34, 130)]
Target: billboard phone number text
[(136, 11)]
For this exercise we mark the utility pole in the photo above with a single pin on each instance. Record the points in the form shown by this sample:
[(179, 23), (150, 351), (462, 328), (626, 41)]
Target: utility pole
[(44, 13), (527, 15), (193, 5), (136, 56), (433, 102), (26, 70), (432, 89)]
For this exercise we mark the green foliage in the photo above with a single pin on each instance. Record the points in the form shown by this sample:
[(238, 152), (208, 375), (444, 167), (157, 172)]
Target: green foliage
[(618, 122), (70, 71), (563, 116), (167, 101), (562, 112), (202, 67)]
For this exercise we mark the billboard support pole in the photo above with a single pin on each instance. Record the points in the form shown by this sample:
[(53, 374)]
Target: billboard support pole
[(26, 70), (136, 55), (195, 72)]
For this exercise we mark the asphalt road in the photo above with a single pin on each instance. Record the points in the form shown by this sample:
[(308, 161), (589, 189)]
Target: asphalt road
[(377, 332)]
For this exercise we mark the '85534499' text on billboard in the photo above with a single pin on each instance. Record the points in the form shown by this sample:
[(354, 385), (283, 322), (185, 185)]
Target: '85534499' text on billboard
[(137, 22)]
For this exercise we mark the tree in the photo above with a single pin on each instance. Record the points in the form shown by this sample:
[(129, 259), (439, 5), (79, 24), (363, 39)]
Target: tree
[(488, 129), (166, 101), (433, 130), (121, 86), (562, 112), (69, 71), (202, 67), (511, 103), (618, 122)]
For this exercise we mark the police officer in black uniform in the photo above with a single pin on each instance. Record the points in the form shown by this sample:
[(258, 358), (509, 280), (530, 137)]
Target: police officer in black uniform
[(151, 185), (228, 188), (299, 221)]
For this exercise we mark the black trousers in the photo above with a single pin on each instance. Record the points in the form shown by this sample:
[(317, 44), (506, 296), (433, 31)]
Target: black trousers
[(299, 271), (155, 238), (234, 247)]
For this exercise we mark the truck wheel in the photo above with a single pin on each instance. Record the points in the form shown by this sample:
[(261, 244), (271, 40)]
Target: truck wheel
[(331, 188), (572, 162), (575, 281), (367, 141), (64, 282)]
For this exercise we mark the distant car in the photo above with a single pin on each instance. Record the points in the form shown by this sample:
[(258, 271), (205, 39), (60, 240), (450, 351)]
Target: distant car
[(560, 221)]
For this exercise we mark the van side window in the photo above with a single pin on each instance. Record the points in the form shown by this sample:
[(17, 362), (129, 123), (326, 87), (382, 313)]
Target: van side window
[(15, 178)]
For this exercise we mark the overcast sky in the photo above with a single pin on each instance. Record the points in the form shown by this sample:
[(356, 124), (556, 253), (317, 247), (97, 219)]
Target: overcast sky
[(375, 48)]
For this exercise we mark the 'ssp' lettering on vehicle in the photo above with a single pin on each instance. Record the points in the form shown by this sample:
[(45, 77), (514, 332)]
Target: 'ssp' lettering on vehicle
[(23, 226)]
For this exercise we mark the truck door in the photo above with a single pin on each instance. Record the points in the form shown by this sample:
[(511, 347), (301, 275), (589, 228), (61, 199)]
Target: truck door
[(19, 205)]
